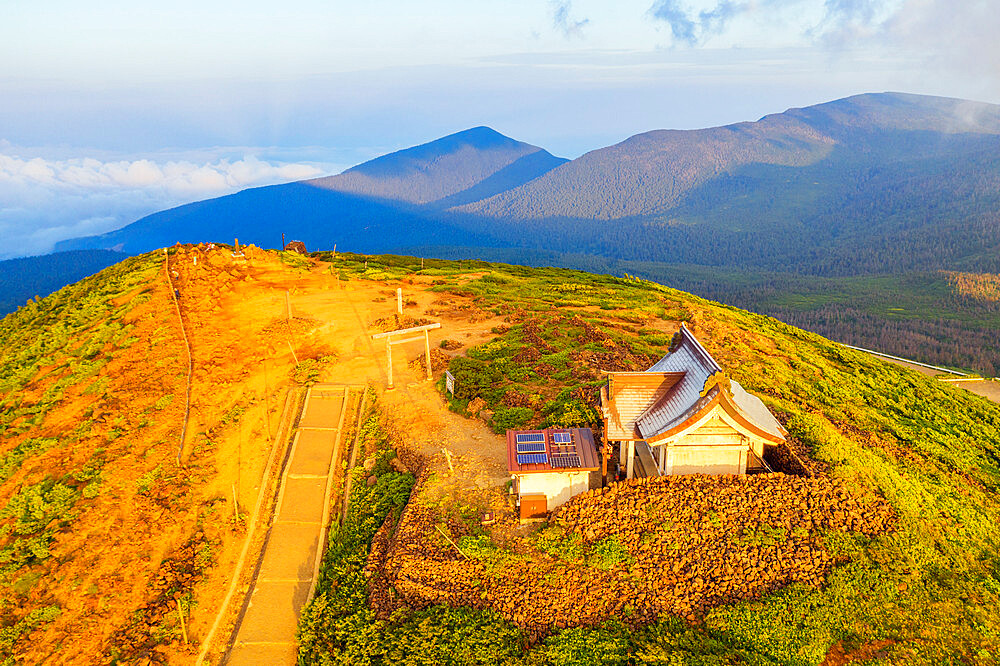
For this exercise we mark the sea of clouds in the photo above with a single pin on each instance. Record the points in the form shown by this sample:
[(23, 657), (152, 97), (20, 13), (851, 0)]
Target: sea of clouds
[(44, 200)]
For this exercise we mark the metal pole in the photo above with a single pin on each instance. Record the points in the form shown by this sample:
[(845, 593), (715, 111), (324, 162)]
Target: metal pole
[(604, 456), (427, 354), (282, 240)]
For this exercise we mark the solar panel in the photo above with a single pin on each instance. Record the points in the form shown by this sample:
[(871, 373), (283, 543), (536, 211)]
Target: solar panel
[(531, 447), (564, 460), (531, 459), (562, 438), (525, 437)]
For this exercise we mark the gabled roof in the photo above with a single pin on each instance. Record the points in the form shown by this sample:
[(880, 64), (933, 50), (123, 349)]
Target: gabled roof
[(667, 414), (629, 394), (697, 365), (747, 411)]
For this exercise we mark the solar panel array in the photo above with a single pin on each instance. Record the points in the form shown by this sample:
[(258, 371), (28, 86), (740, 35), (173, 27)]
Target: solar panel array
[(564, 453), (560, 453), (566, 460)]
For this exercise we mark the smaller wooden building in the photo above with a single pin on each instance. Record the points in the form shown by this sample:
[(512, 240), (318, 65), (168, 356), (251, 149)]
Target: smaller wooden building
[(550, 466), (296, 246)]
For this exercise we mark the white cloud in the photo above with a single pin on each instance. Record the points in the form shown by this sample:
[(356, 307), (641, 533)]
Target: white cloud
[(43, 201), (563, 22)]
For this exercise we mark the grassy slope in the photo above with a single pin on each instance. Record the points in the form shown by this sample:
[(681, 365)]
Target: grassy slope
[(932, 450), (51, 471), (915, 315), (101, 533), (927, 593)]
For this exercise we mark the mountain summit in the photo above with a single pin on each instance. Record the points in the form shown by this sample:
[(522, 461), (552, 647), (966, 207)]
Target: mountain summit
[(396, 200), (439, 171)]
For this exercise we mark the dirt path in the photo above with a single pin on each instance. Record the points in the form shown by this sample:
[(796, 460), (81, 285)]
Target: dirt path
[(266, 631), (339, 317)]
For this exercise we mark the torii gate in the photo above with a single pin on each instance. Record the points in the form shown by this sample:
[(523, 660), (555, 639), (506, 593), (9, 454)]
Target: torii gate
[(389, 342)]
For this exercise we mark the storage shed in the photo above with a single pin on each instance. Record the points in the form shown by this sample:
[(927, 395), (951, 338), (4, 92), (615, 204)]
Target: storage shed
[(685, 416), (550, 466)]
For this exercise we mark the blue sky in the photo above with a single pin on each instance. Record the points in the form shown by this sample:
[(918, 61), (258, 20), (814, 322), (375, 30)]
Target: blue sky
[(201, 98)]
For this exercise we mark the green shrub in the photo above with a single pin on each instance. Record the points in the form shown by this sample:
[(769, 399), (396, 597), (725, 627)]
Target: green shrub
[(11, 634), (37, 511), (338, 625), (608, 554), (145, 482), (163, 401), (572, 413), (553, 540), (12, 460), (581, 646), (307, 370), (509, 418)]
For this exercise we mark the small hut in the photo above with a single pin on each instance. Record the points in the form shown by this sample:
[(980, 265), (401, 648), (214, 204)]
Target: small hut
[(550, 466), (685, 416)]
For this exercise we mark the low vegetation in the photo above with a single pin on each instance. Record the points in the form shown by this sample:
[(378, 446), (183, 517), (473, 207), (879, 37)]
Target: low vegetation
[(927, 592)]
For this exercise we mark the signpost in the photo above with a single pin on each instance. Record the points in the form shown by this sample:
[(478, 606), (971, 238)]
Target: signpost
[(449, 382)]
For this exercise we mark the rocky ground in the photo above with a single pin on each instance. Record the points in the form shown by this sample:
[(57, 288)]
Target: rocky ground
[(637, 550)]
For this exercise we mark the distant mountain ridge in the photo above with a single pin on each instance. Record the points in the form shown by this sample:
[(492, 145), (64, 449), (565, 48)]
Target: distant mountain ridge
[(872, 183), (649, 173)]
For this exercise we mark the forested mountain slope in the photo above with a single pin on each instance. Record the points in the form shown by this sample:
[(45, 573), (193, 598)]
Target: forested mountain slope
[(869, 184), (650, 173), (319, 217), (29, 277)]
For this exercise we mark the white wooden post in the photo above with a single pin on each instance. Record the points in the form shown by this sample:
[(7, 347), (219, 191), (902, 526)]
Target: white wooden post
[(427, 354), (631, 459), (388, 355), (399, 301)]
